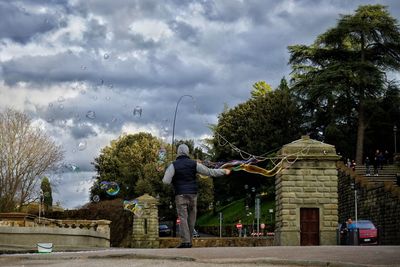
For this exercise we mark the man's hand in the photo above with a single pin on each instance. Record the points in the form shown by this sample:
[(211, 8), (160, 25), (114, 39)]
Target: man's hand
[(227, 171)]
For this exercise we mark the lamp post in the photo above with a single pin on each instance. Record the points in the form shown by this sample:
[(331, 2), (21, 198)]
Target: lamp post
[(270, 212), (353, 186), (173, 126), (395, 135)]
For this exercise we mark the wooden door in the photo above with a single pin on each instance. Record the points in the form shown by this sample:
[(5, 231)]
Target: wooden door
[(309, 226)]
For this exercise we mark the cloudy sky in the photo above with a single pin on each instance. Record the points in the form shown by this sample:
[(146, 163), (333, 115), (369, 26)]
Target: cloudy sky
[(87, 71)]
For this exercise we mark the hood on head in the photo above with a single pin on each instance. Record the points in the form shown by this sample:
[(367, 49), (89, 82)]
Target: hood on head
[(183, 150)]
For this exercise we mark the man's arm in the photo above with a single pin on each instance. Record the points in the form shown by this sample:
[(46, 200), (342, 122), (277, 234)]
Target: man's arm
[(200, 168), (169, 174)]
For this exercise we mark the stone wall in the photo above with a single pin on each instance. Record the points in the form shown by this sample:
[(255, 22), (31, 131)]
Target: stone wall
[(24, 231), (172, 242), (377, 202)]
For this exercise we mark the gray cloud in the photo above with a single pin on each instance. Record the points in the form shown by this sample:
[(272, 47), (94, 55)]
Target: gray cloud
[(110, 57), (20, 26)]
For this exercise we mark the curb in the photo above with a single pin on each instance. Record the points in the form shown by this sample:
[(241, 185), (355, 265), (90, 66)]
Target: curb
[(256, 261)]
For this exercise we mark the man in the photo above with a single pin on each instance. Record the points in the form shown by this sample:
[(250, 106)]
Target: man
[(182, 174)]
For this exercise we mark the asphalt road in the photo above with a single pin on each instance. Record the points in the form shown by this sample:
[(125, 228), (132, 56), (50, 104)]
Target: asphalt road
[(341, 256)]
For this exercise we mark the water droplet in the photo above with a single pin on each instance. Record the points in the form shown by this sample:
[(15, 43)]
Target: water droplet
[(91, 115), (137, 111), (96, 198), (106, 56), (108, 98), (73, 167), (50, 105), (95, 97), (82, 145), (83, 67), (61, 99), (50, 119), (61, 106), (114, 120)]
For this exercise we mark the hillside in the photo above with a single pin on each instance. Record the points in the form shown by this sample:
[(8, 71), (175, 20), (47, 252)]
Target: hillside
[(236, 211)]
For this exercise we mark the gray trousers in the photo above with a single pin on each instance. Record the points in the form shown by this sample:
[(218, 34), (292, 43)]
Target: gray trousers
[(186, 207)]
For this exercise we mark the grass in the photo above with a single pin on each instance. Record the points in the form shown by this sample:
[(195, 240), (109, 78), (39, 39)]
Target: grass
[(236, 211)]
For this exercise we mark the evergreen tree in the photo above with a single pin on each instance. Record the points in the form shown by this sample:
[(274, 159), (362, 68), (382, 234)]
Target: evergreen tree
[(344, 69), (45, 186)]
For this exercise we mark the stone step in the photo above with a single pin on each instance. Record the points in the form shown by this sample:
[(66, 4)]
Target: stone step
[(380, 178)]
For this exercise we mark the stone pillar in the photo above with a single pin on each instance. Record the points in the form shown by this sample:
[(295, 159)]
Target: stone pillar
[(145, 227), (308, 180)]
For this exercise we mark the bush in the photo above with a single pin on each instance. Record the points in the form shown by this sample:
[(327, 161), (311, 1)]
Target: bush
[(121, 220)]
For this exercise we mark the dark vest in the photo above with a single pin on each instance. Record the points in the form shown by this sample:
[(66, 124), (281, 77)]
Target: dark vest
[(184, 180)]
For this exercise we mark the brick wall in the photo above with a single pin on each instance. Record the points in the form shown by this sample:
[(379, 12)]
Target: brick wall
[(378, 202)]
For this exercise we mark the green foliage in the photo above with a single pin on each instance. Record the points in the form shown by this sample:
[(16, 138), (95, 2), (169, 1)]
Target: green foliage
[(235, 211), (130, 161), (205, 194), (112, 210), (259, 125), (343, 72), (260, 89), (47, 193)]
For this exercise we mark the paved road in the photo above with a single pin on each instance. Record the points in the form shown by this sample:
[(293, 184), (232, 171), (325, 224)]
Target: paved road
[(342, 256)]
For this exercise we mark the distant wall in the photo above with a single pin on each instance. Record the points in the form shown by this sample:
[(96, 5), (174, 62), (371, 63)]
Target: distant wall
[(62, 238), (171, 242), (378, 202), (24, 231)]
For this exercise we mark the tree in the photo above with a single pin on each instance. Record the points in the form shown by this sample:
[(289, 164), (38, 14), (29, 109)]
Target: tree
[(47, 194), (26, 153), (260, 89), (345, 69), (259, 126), (130, 161)]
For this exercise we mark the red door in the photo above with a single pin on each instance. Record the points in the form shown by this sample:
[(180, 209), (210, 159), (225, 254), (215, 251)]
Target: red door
[(309, 226)]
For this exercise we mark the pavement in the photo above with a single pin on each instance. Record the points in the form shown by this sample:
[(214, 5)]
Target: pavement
[(341, 256)]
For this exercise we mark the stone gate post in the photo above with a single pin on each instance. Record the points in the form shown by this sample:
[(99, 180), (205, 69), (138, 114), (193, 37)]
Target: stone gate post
[(306, 194), (145, 227)]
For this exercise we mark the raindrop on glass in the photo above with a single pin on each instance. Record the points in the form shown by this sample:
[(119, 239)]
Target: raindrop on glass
[(61, 106), (137, 111), (96, 198), (108, 98), (106, 56), (61, 99), (73, 167), (50, 105), (82, 145), (83, 67), (91, 115)]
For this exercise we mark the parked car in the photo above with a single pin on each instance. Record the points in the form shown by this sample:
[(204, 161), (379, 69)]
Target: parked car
[(164, 230), (367, 234)]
